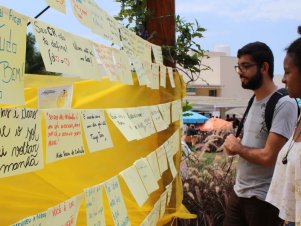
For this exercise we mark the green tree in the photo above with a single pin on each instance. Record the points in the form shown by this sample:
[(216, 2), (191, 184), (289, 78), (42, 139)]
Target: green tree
[(34, 63), (186, 54)]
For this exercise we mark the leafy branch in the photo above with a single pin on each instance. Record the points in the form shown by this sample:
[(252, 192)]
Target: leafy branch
[(186, 54)]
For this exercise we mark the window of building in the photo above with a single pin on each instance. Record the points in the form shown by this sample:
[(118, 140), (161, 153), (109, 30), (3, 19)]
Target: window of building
[(212, 92), (190, 90)]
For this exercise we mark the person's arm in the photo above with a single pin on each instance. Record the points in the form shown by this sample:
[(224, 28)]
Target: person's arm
[(266, 156)]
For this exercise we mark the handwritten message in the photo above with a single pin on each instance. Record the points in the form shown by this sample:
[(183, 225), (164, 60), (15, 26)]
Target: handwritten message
[(165, 111), (96, 130), (157, 51), (63, 134), (128, 41), (159, 123), (134, 183), (63, 52), (105, 55), (123, 67), (169, 154), (162, 159), (65, 213), (162, 75), (94, 206), (12, 56), (20, 141), (55, 97), (81, 12), (176, 110), (124, 124), (142, 121), (59, 5), (143, 49), (83, 53), (171, 78), (36, 220), (146, 175), (117, 206), (155, 76)]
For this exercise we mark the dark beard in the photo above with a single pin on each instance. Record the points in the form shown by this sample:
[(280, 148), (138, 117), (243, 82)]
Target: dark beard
[(254, 82)]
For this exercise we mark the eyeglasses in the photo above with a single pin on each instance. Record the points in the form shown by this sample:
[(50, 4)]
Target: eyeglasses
[(242, 68)]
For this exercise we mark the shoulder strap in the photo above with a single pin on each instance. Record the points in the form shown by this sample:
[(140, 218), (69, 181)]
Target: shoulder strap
[(271, 104), (241, 124)]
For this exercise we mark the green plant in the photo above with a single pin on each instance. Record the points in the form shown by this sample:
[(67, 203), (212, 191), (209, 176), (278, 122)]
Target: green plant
[(34, 62), (207, 187), (186, 54), (186, 107)]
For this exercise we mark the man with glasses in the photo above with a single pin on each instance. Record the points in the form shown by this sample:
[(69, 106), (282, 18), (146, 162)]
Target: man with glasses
[(259, 147)]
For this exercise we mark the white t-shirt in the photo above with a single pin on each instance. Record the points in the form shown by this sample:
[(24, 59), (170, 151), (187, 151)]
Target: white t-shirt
[(285, 189)]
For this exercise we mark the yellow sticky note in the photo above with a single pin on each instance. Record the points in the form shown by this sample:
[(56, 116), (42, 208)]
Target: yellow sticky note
[(82, 52), (35, 220), (169, 154), (140, 71), (63, 134), (12, 56), (153, 217), (157, 51), (143, 49), (59, 5), (153, 163), (165, 111), (163, 199), (123, 123), (169, 192), (160, 124), (81, 12), (146, 175), (156, 76), (162, 75), (123, 67), (142, 121), (176, 110), (65, 213), (171, 78), (117, 205), (105, 55), (20, 138), (96, 130), (94, 205), (162, 159), (134, 183)]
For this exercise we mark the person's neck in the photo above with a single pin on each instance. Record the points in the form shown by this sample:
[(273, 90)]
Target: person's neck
[(265, 90)]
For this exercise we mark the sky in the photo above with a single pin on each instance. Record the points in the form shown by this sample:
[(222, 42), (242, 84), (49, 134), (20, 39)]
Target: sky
[(230, 23)]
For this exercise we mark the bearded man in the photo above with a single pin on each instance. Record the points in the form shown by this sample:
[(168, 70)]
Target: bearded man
[(259, 147)]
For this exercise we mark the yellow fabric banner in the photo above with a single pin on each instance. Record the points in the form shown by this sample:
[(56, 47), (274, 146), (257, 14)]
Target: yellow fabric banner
[(31, 193)]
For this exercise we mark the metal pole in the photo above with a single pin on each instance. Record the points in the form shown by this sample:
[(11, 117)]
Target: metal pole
[(43, 11)]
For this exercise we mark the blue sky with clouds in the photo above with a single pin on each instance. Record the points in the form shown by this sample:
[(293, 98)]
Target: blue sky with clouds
[(228, 22)]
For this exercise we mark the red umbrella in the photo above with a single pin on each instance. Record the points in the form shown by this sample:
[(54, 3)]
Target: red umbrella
[(215, 124)]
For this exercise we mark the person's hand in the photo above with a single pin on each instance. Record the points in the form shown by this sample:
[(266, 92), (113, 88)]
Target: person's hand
[(232, 145), (194, 139)]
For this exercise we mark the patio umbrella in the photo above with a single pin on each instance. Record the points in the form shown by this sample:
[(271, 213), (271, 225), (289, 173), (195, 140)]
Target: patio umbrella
[(215, 124), (190, 117)]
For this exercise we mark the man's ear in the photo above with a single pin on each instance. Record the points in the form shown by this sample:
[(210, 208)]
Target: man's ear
[(265, 68)]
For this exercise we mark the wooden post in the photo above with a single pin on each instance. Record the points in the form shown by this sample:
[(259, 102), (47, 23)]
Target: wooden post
[(162, 22)]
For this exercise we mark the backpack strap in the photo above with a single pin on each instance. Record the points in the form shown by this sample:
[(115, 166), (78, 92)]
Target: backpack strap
[(241, 124), (271, 104)]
